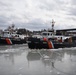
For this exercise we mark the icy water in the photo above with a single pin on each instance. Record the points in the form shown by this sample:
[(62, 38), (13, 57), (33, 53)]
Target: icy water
[(20, 60)]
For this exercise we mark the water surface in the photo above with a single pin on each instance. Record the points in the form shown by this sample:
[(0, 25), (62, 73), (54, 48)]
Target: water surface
[(20, 60)]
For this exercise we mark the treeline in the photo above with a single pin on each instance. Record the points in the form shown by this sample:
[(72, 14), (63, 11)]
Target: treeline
[(24, 31)]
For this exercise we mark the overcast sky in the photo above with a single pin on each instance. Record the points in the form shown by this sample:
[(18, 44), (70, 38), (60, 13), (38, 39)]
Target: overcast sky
[(38, 14)]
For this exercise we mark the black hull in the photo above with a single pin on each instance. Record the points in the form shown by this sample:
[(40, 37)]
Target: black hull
[(36, 43), (64, 45), (18, 41), (11, 41), (3, 41)]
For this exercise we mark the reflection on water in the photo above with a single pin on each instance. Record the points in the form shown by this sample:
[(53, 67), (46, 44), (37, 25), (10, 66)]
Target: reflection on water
[(19, 60), (32, 56), (10, 52)]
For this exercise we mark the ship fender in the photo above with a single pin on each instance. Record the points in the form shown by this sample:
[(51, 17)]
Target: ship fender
[(50, 44), (9, 42)]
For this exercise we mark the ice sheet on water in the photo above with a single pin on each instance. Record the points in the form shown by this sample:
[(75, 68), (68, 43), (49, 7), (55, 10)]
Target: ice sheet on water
[(59, 49), (7, 51), (12, 50)]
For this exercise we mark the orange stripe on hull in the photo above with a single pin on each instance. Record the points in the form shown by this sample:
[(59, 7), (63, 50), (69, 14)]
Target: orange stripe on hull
[(50, 44), (8, 41)]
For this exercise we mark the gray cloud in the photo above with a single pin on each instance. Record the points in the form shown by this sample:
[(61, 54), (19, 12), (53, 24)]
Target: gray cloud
[(53, 5), (3, 22), (33, 14), (73, 2), (36, 24), (72, 8), (5, 6), (73, 11)]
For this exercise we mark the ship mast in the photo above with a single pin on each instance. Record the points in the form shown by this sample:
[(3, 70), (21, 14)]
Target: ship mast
[(53, 31), (53, 22)]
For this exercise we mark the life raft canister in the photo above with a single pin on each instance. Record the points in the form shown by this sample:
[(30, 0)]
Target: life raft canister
[(50, 44), (8, 41)]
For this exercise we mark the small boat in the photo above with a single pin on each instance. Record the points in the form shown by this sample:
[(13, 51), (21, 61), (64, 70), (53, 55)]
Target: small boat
[(8, 38)]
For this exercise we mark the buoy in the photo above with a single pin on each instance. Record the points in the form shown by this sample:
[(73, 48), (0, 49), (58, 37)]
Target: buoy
[(8, 41)]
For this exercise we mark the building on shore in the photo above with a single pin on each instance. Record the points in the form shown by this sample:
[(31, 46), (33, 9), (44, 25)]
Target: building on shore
[(70, 32)]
